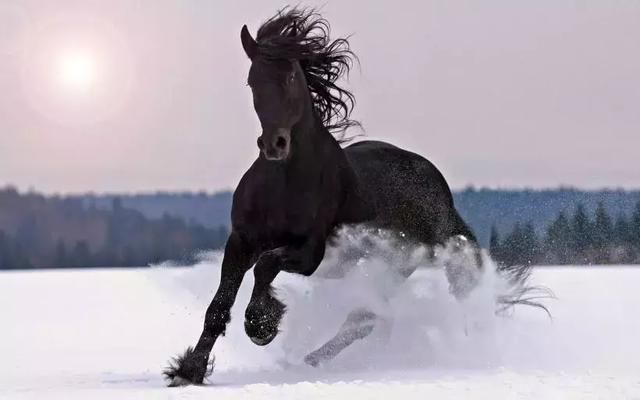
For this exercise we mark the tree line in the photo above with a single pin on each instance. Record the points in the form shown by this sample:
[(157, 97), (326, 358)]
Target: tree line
[(120, 231), (54, 232), (576, 238)]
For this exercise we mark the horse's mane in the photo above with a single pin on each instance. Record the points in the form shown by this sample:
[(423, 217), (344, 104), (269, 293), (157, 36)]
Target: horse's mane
[(303, 35)]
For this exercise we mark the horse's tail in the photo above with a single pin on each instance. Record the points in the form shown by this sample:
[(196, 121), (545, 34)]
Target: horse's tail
[(521, 291)]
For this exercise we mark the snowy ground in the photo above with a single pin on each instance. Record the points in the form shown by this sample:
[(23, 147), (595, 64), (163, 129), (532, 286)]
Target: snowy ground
[(107, 334)]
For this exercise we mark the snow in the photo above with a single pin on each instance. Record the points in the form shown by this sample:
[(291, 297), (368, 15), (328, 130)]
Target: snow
[(105, 334)]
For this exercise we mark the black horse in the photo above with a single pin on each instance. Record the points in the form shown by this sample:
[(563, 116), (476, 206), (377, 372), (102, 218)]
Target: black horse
[(304, 185)]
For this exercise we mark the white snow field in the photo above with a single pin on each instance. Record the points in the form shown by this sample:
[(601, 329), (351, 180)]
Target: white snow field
[(107, 334)]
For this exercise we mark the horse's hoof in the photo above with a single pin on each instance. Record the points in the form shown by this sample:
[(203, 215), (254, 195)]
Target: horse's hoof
[(263, 341), (312, 361), (188, 369), (261, 323), (179, 381)]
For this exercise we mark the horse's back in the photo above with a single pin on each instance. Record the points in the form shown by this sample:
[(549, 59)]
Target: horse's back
[(409, 192)]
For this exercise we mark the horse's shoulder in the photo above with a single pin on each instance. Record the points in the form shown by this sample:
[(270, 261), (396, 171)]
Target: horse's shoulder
[(357, 205), (253, 186), (245, 185), (259, 177)]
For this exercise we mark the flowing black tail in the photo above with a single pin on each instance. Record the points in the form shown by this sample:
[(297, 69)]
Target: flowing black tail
[(521, 291)]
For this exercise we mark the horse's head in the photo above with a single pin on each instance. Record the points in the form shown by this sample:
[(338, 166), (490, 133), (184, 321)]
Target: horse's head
[(295, 68), (279, 92)]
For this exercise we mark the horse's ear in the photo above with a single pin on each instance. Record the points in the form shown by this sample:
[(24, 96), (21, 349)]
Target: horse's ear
[(248, 43)]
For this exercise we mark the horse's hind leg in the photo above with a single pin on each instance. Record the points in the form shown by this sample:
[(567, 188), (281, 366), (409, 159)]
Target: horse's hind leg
[(359, 324), (463, 266), (362, 321)]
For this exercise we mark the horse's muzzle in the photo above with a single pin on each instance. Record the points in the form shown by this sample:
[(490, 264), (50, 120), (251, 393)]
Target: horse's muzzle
[(275, 144)]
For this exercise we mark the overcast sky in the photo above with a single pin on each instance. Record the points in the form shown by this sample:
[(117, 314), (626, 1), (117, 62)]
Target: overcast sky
[(138, 95)]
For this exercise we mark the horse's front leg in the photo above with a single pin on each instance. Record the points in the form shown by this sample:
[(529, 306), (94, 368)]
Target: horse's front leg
[(192, 366), (264, 312)]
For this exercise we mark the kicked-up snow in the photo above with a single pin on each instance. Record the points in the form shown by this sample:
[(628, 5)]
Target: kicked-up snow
[(107, 334)]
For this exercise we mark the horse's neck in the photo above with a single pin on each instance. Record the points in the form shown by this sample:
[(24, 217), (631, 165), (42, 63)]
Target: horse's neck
[(313, 147), (320, 153)]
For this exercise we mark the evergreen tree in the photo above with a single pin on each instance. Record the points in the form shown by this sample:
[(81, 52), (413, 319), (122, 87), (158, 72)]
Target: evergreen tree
[(622, 231), (512, 246), (530, 246), (581, 239), (622, 239), (520, 247), (602, 235), (558, 239)]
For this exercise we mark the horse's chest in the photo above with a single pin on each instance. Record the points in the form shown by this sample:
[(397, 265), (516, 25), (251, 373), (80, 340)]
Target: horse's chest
[(278, 212)]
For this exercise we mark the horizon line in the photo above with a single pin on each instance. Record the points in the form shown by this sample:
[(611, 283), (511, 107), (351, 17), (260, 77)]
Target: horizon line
[(204, 192)]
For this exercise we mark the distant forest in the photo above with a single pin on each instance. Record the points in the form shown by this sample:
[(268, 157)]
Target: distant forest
[(521, 226), (53, 232), (577, 238), (481, 208)]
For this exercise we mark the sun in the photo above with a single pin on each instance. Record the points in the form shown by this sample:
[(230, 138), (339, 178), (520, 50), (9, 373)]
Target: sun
[(77, 70)]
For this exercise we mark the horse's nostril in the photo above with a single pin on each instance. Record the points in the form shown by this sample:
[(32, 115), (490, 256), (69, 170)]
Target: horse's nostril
[(260, 143), (281, 142)]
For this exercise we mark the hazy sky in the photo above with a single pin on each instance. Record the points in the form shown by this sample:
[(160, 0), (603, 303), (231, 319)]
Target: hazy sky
[(138, 95)]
